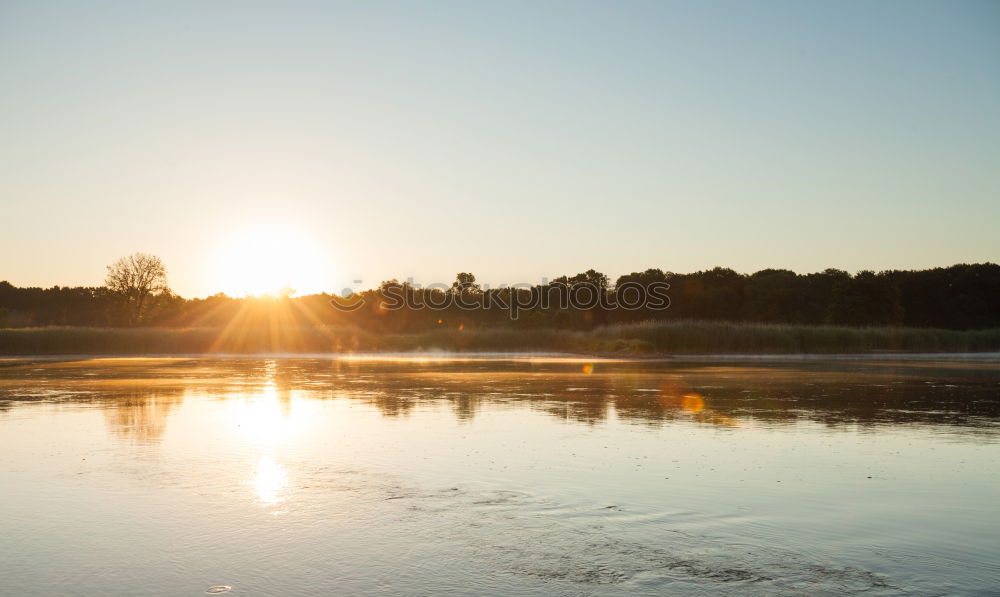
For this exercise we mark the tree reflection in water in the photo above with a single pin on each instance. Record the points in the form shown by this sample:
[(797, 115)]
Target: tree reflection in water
[(139, 395)]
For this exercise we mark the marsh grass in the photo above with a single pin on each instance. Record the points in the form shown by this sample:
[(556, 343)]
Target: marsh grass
[(678, 337)]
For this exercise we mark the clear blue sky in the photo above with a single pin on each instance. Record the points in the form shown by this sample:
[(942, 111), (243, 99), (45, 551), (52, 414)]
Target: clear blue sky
[(514, 140)]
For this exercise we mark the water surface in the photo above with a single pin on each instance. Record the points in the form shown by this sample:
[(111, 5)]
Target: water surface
[(524, 476)]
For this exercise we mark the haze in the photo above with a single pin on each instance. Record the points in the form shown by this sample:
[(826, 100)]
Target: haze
[(516, 141)]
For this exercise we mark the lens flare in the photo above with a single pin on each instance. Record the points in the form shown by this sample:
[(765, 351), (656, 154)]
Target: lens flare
[(693, 403)]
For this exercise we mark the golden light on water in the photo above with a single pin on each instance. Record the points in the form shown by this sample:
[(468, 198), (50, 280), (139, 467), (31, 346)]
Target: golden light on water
[(271, 417), (676, 394), (269, 420), (270, 481), (693, 403)]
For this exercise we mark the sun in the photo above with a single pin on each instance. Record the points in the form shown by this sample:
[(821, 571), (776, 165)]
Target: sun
[(267, 260)]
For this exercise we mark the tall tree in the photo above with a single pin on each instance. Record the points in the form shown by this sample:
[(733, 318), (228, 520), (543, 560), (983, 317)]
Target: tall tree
[(135, 279), (464, 282)]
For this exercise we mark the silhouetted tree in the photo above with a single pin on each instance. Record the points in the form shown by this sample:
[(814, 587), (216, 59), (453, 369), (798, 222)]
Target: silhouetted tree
[(774, 295), (134, 279), (464, 282), (634, 291), (866, 299)]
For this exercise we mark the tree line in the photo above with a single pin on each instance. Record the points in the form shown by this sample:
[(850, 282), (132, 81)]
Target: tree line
[(963, 296)]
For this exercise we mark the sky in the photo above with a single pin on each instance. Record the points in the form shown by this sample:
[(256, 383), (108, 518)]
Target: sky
[(330, 143)]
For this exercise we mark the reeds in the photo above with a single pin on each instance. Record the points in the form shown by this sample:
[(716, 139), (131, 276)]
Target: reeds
[(677, 337)]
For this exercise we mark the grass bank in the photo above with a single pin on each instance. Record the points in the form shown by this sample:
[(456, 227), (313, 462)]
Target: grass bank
[(678, 337)]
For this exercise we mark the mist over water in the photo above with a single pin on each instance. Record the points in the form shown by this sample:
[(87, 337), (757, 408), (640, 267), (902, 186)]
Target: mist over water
[(514, 476)]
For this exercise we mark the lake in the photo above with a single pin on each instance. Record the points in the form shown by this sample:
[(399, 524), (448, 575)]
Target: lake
[(429, 475)]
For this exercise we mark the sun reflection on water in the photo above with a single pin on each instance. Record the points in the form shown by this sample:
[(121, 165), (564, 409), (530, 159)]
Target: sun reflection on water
[(270, 420), (270, 481), (271, 416)]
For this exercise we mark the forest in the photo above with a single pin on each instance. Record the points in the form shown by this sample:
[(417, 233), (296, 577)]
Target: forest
[(959, 297)]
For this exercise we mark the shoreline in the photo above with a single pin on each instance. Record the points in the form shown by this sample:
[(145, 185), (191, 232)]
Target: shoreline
[(531, 357), (662, 340)]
